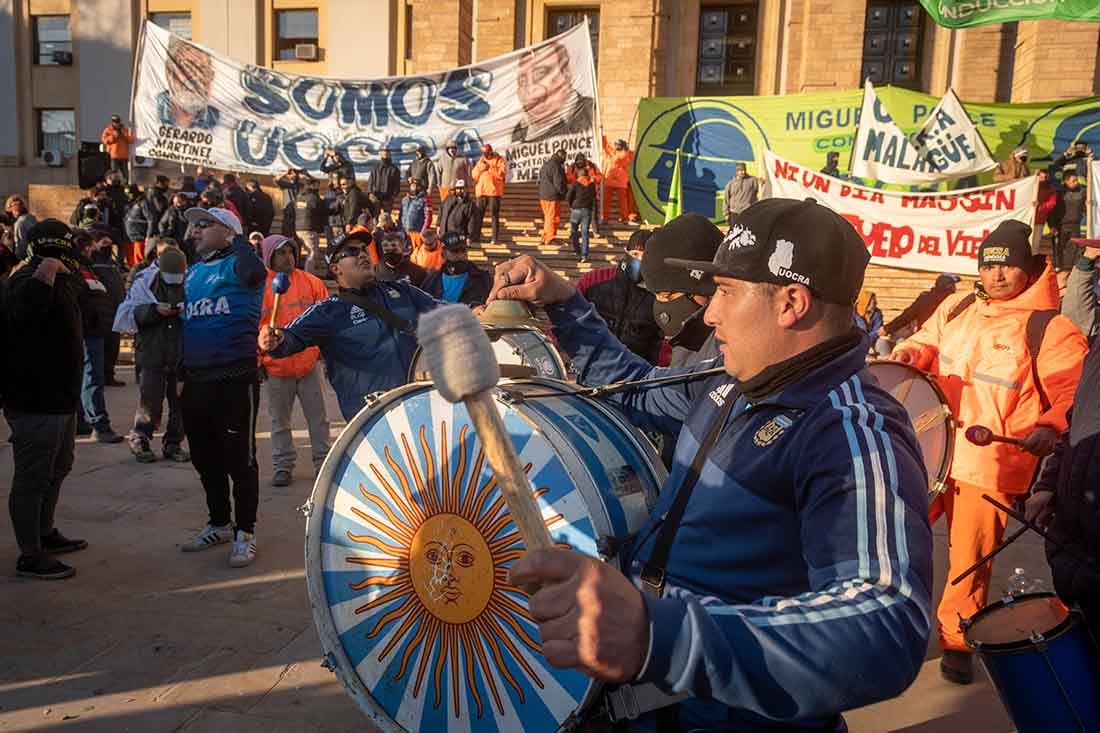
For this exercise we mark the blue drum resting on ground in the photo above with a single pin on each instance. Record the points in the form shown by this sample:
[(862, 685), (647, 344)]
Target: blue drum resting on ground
[(1042, 661), (408, 546)]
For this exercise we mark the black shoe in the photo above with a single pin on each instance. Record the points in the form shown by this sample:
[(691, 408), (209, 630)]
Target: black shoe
[(43, 566), (174, 453), (957, 667), (83, 430), (59, 544), (107, 436)]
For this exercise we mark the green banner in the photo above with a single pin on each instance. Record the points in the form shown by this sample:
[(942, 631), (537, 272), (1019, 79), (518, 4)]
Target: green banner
[(969, 13), (713, 134)]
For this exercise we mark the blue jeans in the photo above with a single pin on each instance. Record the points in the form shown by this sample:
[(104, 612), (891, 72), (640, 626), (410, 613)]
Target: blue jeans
[(91, 392), (579, 218)]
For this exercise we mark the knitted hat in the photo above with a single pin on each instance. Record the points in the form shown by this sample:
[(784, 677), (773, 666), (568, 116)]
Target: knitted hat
[(173, 265)]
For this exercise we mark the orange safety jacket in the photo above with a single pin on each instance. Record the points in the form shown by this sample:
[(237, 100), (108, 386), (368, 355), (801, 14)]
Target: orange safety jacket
[(305, 290)]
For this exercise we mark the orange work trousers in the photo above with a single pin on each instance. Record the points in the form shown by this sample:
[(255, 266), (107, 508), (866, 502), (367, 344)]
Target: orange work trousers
[(133, 253), (551, 218), (443, 194), (415, 240), (974, 528), (626, 212)]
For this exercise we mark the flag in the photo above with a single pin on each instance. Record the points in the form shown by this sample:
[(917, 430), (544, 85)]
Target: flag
[(673, 207), (947, 146), (969, 13)]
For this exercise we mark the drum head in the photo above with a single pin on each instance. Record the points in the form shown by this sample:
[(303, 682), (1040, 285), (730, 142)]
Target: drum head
[(1015, 622), (928, 412), (408, 548), (522, 352)]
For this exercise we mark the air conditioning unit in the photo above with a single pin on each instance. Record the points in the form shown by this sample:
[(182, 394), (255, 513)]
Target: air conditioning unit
[(140, 161), (63, 58), (52, 158), (305, 51)]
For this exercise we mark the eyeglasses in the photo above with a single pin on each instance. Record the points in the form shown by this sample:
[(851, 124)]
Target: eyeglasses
[(350, 252)]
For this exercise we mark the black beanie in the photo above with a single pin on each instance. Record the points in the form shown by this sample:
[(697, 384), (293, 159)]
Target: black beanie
[(1009, 244)]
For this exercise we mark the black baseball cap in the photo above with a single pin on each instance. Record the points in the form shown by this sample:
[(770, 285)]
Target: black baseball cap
[(784, 241), (344, 240), (455, 240), (688, 236)]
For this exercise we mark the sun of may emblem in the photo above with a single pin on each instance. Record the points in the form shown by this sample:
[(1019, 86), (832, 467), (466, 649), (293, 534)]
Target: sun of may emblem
[(444, 563)]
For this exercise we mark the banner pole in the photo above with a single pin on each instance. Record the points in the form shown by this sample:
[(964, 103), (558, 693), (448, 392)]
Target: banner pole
[(1090, 197), (133, 93)]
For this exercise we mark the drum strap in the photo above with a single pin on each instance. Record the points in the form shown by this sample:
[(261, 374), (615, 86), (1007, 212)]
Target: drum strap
[(382, 313)]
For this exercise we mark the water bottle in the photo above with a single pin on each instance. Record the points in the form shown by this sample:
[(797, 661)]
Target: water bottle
[(1018, 583)]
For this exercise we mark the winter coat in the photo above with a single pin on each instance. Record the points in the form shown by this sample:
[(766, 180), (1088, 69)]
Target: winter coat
[(153, 206), (310, 213), (159, 340), (589, 171), (453, 169), (772, 552), (460, 214), (474, 292), (416, 213), (107, 269), (407, 271), (489, 174), (136, 222), (173, 224), (355, 202), (627, 309), (44, 373), (981, 361), (552, 181), (117, 140), (385, 181), (582, 194), (118, 203), (616, 165), (363, 354), (97, 308), (740, 194), (262, 210), (237, 196), (1071, 208), (422, 170), (427, 259), (1046, 202), (19, 231), (341, 165), (1011, 169), (305, 290)]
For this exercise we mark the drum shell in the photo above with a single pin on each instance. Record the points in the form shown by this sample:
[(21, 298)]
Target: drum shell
[(1049, 683), (588, 463), (527, 343)]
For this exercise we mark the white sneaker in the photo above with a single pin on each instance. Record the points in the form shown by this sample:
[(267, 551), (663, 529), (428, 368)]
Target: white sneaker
[(208, 537), (244, 549)]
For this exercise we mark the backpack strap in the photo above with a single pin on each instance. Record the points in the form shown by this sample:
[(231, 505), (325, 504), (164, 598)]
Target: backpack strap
[(380, 312), (1037, 323), (959, 307)]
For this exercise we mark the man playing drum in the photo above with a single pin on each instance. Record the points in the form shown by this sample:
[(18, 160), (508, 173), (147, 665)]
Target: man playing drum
[(1005, 359), (785, 573), (366, 331)]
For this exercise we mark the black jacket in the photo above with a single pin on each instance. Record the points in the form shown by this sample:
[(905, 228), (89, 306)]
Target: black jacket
[(1072, 472), (310, 212), (155, 203), (341, 165), (261, 212), (628, 311), (552, 180), (355, 202), (43, 356), (117, 204), (478, 284), (97, 308), (239, 198), (1070, 208), (159, 340), (409, 271), (581, 197), (460, 214), (109, 272), (420, 170), (173, 224), (385, 181)]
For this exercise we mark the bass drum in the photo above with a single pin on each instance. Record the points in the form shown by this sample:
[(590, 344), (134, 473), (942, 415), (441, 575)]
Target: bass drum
[(408, 545), (929, 412), (521, 351)]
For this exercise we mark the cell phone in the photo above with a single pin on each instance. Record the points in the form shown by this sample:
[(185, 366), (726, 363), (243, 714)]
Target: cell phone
[(174, 306)]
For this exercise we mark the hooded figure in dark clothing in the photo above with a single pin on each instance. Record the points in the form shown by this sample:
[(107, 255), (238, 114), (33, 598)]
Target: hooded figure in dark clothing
[(832, 161)]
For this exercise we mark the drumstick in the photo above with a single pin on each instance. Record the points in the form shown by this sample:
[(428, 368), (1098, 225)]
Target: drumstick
[(464, 368), (279, 285), (1038, 530), (981, 435), (990, 555)]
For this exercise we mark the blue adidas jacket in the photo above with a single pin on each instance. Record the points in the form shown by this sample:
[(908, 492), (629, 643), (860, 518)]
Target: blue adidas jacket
[(799, 582), (221, 310), (362, 353)]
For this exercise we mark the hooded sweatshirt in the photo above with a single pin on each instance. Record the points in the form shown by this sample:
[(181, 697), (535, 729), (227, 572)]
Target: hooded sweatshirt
[(981, 361), (305, 290)]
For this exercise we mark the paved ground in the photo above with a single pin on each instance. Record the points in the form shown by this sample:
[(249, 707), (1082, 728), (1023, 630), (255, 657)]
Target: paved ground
[(148, 639)]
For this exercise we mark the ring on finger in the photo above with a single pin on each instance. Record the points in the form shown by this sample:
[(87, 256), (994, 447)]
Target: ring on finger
[(507, 279)]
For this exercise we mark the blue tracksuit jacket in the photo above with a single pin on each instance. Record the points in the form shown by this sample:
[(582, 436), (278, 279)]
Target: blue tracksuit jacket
[(362, 353), (799, 582)]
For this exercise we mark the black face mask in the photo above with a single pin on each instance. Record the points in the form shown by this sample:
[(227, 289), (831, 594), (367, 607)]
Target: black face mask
[(681, 321), (393, 259), (460, 267)]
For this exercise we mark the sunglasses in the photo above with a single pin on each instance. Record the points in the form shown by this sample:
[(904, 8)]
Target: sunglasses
[(350, 252), (204, 224)]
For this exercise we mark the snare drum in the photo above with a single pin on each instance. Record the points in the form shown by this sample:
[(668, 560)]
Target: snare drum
[(521, 351), (408, 545), (1042, 661), (929, 412)]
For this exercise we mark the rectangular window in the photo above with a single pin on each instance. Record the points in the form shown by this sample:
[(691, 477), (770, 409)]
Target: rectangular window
[(291, 28), (53, 40), (178, 23), (57, 131), (892, 43), (559, 21), (408, 31), (727, 49)]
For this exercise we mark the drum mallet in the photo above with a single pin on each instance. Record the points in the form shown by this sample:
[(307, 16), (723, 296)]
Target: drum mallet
[(461, 360), (279, 285), (981, 435)]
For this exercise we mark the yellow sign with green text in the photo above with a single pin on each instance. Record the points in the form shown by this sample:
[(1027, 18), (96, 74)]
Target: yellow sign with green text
[(713, 134)]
